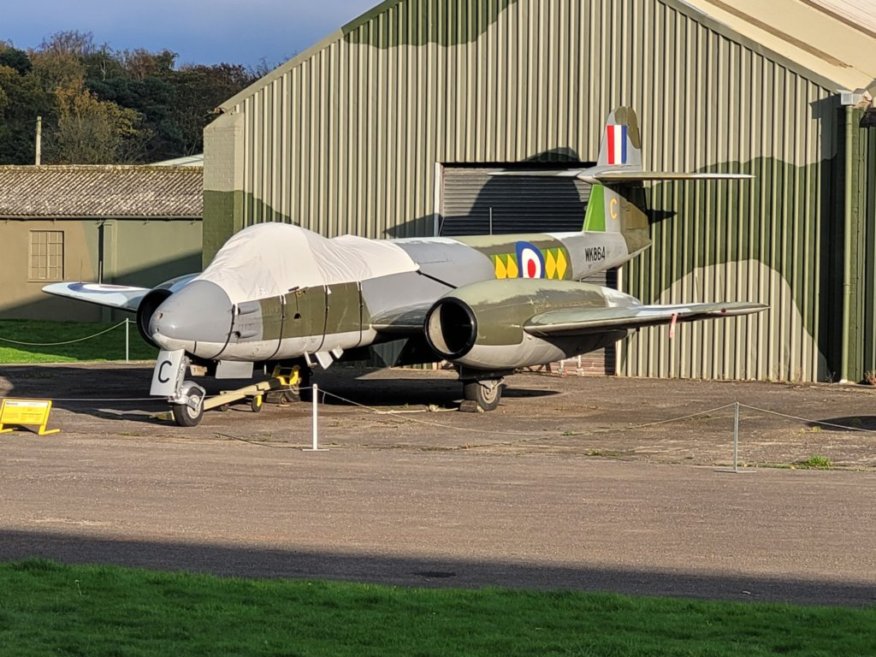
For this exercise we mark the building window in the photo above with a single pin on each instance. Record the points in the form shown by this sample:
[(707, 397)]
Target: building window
[(46, 255)]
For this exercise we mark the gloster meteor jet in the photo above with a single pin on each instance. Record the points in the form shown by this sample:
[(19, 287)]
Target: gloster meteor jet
[(277, 293)]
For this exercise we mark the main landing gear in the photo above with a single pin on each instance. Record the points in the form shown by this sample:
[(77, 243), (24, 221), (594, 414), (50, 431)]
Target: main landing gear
[(484, 393)]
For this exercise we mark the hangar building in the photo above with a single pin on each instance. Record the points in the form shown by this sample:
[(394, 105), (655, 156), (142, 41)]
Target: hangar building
[(126, 225), (390, 126)]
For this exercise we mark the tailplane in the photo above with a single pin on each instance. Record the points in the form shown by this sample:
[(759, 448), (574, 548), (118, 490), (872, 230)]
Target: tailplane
[(617, 197), (620, 158)]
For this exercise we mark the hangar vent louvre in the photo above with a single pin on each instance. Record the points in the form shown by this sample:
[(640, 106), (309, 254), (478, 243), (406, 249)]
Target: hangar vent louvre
[(518, 204)]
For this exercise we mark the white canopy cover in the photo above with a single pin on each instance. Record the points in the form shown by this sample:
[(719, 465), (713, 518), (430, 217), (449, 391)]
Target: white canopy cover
[(270, 259)]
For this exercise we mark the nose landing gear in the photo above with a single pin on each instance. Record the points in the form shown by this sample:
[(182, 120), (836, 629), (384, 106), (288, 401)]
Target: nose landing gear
[(188, 404), (190, 409)]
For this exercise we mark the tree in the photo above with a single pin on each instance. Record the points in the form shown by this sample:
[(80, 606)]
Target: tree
[(54, 70), (101, 105), (71, 42), (199, 91), (22, 101), (92, 131), (15, 59), (141, 64)]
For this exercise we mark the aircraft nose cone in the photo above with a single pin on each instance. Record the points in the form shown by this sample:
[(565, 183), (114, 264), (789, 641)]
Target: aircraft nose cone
[(197, 319)]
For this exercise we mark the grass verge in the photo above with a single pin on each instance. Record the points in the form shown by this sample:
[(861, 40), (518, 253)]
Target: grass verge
[(42, 338), (48, 608)]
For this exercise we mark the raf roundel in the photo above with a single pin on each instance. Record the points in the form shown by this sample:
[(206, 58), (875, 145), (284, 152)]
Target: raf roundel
[(530, 260)]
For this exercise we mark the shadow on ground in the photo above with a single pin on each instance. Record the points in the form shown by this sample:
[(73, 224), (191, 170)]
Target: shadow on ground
[(121, 391), (413, 571), (849, 423)]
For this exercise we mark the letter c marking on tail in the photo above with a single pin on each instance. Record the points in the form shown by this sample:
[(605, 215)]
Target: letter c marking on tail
[(612, 208)]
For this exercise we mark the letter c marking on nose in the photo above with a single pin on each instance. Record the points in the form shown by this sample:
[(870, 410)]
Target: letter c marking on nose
[(161, 377)]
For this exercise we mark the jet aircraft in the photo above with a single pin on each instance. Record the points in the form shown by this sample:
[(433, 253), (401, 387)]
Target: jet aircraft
[(280, 294)]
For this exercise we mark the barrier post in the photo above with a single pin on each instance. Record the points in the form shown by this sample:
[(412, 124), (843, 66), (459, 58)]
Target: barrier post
[(736, 439), (314, 427), (127, 341)]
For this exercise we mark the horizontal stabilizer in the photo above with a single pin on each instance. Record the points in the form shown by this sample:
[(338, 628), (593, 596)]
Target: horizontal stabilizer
[(540, 173), (123, 297), (617, 176), (588, 320), (608, 176)]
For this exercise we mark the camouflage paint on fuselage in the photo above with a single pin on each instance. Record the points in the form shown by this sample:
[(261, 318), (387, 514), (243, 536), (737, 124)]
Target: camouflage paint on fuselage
[(340, 316)]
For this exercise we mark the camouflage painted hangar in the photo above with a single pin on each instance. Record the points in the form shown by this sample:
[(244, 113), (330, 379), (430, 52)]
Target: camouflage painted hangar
[(390, 126)]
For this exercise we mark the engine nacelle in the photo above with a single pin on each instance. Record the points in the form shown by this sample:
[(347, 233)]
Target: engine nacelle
[(481, 325)]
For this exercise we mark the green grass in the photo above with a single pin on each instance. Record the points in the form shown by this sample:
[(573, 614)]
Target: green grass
[(49, 609), (815, 462), (109, 346)]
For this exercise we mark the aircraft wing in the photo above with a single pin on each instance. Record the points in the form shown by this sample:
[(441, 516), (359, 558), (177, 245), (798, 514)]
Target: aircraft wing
[(123, 297), (587, 320)]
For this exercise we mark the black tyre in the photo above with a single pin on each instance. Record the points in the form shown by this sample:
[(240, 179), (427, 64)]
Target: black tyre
[(257, 403), (486, 396), (289, 396), (190, 413)]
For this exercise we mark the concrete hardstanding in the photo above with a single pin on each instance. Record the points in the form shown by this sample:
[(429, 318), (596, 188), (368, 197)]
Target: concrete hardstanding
[(576, 484)]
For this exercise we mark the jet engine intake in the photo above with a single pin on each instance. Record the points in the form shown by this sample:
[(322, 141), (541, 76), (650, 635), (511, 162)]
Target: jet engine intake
[(147, 308)]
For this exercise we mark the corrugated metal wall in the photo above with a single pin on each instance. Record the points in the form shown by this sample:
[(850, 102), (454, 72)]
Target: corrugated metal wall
[(345, 138), (858, 349)]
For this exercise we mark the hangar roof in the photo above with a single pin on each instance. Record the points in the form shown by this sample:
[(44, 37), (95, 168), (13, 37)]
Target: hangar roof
[(101, 192), (833, 38)]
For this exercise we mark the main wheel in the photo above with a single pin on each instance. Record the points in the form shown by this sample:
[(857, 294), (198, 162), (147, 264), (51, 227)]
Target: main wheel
[(485, 393), (189, 414)]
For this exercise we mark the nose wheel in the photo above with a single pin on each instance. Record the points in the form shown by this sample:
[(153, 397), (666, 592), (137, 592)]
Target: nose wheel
[(189, 411)]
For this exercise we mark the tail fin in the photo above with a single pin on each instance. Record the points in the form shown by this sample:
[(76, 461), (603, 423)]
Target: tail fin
[(619, 209), (621, 145)]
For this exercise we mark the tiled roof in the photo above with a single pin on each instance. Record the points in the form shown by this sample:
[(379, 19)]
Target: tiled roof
[(111, 192)]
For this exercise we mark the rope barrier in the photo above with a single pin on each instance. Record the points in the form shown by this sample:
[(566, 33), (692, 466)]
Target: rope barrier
[(679, 419), (426, 422), (66, 342), (403, 416), (801, 419)]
